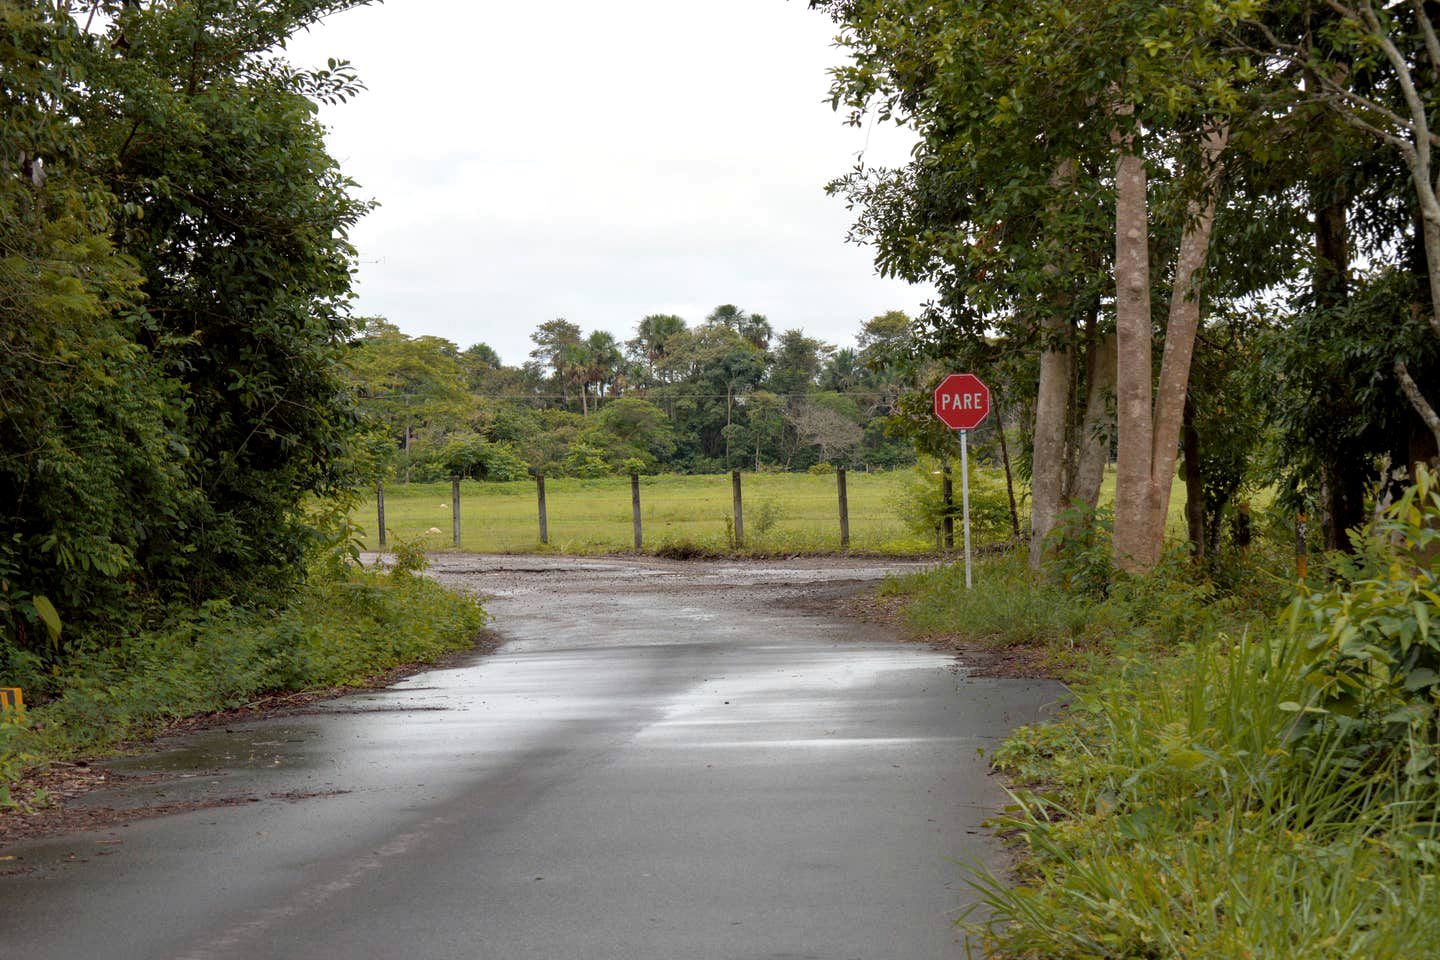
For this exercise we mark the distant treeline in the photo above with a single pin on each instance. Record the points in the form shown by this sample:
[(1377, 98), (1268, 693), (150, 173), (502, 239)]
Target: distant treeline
[(725, 393)]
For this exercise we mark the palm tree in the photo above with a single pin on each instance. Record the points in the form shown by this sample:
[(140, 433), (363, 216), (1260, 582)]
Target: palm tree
[(572, 365), (757, 330), (727, 315), (602, 362), (843, 372), (654, 337)]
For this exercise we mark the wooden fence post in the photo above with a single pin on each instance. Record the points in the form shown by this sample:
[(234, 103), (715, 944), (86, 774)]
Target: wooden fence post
[(844, 509), (635, 510), (739, 510), (380, 510), (540, 495), (455, 510)]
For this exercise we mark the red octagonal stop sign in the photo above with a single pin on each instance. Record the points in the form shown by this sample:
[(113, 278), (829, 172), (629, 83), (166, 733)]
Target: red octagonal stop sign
[(962, 401)]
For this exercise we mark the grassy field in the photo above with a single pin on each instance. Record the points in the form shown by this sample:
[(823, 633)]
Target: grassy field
[(783, 512)]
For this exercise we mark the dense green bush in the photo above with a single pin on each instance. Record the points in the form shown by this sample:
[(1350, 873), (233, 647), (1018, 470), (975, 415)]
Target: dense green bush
[(173, 309), (1373, 640), (468, 456), (924, 507)]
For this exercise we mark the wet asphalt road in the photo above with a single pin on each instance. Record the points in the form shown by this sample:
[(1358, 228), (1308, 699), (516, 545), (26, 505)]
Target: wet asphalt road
[(664, 761)]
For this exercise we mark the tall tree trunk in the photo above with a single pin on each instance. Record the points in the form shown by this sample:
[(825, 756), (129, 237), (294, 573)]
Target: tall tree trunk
[(1194, 484), (1052, 409), (1150, 435), (1080, 363), (1097, 430), (1052, 404), (1180, 335), (1344, 491), (1009, 477), (409, 433), (1133, 337), (1344, 477)]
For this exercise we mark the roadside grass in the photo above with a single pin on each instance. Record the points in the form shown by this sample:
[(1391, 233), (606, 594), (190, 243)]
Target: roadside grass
[(1012, 607), (1211, 792), (1007, 607), (784, 513), (1200, 798), (1175, 813), (344, 626)]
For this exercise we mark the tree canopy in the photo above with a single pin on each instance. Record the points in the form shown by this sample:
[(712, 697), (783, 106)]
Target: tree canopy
[(721, 394), (174, 277)]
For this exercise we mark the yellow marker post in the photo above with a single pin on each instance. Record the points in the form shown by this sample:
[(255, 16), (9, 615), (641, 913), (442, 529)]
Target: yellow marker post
[(11, 699)]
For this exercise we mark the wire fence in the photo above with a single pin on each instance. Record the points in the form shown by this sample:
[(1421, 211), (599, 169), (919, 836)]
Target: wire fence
[(780, 513)]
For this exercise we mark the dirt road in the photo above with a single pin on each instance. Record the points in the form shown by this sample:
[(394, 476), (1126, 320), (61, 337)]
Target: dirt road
[(664, 761)]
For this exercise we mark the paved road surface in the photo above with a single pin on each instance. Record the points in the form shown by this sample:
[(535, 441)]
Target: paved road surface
[(664, 761)]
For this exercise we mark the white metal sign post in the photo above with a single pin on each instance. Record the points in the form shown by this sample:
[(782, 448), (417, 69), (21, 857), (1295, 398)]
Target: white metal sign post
[(962, 403), (965, 498)]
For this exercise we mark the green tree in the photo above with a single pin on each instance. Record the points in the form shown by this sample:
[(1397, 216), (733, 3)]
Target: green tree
[(414, 386), (237, 217), (843, 371), (631, 430), (603, 361), (91, 427), (654, 336), (1377, 66), (707, 369), (796, 364), (174, 275), (1064, 148), (557, 348)]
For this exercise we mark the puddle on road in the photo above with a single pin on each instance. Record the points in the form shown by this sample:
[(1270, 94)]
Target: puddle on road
[(236, 749)]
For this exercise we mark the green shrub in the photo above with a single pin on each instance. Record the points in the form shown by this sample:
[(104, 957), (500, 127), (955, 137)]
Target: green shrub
[(1374, 642), (764, 516), (1013, 606), (470, 457), (585, 460), (1171, 814), (13, 758), (923, 508), (1079, 552), (408, 558)]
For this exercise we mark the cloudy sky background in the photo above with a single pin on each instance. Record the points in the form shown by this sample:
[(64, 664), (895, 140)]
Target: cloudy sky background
[(600, 162)]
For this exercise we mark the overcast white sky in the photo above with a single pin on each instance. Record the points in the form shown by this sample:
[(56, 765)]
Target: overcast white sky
[(600, 162)]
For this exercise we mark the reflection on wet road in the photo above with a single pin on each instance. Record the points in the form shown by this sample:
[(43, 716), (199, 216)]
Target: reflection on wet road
[(664, 760)]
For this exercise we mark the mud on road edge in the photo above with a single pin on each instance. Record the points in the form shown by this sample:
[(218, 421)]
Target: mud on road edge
[(56, 784)]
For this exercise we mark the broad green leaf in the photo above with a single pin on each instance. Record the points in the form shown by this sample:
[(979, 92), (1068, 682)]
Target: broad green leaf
[(49, 615)]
